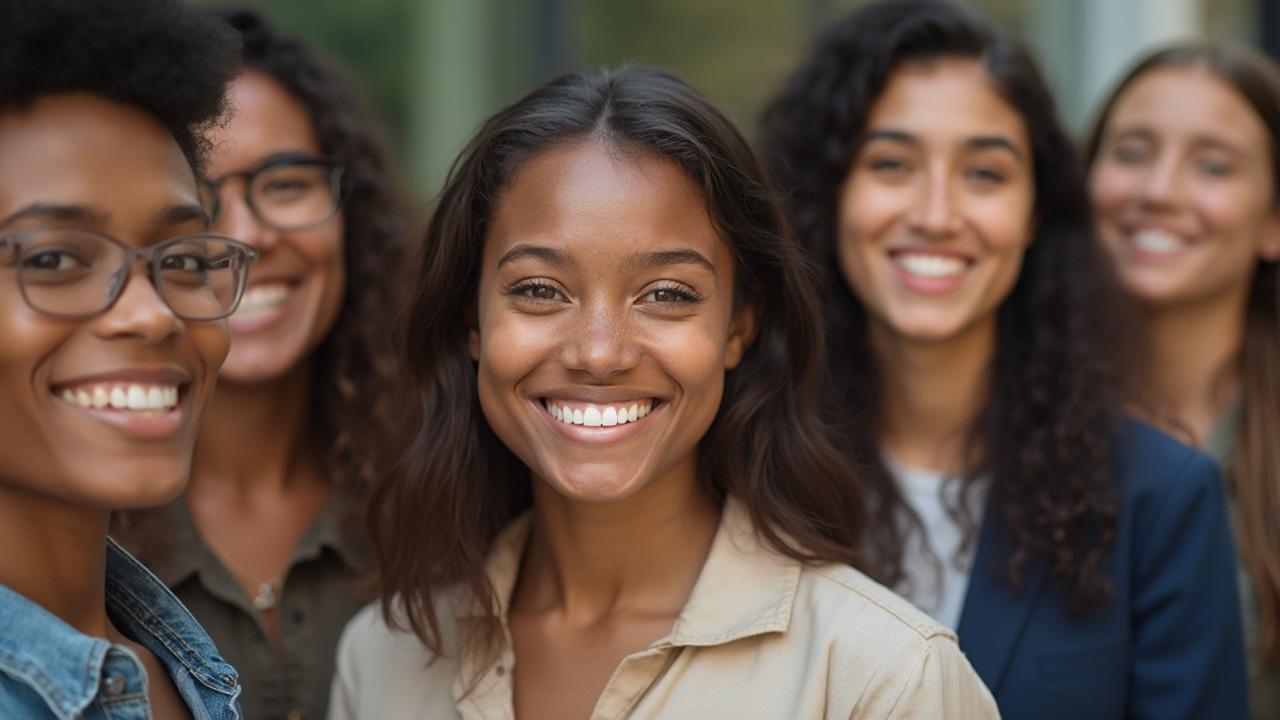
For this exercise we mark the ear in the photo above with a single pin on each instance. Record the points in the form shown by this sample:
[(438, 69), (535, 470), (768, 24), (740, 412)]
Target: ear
[(742, 332), (1269, 243)]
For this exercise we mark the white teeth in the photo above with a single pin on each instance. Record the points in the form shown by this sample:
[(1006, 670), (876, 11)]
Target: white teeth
[(262, 299), (930, 266), (599, 415), (131, 397), (1157, 241)]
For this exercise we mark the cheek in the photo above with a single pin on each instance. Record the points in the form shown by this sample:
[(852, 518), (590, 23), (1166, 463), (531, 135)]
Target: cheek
[(211, 341), (1112, 187)]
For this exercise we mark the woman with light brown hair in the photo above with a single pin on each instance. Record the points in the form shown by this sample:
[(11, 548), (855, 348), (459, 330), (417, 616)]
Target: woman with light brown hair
[(1185, 173)]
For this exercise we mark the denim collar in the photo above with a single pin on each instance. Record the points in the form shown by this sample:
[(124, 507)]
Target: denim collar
[(64, 666)]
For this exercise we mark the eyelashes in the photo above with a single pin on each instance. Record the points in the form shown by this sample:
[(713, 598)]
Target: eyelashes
[(540, 290)]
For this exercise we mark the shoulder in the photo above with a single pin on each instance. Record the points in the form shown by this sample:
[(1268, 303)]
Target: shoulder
[(1151, 465), (858, 601), (887, 658)]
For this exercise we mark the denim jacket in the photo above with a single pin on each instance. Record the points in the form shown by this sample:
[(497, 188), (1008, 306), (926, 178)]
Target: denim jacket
[(50, 670)]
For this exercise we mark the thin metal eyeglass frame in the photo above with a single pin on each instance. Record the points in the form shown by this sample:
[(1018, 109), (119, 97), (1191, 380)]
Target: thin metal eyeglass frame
[(152, 254), (337, 188)]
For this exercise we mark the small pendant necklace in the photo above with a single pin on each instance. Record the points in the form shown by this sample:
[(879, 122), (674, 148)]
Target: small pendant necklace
[(269, 590)]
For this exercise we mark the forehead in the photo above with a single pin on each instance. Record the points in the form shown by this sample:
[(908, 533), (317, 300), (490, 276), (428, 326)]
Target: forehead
[(83, 150), (944, 98), (605, 204), (265, 120), (1187, 101)]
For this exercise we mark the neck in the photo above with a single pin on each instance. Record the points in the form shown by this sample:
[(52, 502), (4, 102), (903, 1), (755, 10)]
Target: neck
[(55, 555), (642, 554), (255, 437), (1187, 374), (931, 394)]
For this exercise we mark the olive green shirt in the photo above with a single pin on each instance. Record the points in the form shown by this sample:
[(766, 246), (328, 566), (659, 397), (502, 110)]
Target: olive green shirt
[(321, 592), (1264, 678)]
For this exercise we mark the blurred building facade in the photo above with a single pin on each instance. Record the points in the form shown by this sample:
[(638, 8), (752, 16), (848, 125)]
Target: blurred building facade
[(434, 69)]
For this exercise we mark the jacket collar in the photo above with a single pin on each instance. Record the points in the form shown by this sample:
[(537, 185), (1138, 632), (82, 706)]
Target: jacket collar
[(995, 613), (64, 666)]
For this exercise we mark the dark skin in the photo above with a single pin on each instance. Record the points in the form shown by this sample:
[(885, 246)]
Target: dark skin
[(81, 162), (604, 284), (256, 486)]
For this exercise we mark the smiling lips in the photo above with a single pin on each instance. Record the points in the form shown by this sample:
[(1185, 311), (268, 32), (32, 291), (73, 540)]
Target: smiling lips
[(260, 300), (593, 415), (133, 397)]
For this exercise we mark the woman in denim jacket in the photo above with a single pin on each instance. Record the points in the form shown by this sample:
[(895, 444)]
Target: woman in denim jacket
[(112, 304)]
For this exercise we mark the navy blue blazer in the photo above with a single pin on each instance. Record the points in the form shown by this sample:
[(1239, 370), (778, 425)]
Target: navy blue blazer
[(1169, 645)]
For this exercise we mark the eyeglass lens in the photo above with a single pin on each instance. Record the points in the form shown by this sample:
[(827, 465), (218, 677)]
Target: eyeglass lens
[(290, 195), (70, 273)]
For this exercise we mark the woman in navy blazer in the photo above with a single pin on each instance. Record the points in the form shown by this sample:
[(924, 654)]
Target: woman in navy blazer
[(1084, 559)]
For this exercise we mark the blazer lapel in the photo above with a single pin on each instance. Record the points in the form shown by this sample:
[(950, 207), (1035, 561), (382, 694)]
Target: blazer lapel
[(995, 613)]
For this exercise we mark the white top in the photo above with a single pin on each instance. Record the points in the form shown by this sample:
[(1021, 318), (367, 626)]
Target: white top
[(937, 572)]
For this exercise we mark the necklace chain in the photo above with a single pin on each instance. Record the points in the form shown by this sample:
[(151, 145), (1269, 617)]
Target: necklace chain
[(269, 590)]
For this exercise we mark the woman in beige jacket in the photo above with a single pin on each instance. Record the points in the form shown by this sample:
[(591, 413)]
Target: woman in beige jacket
[(617, 498)]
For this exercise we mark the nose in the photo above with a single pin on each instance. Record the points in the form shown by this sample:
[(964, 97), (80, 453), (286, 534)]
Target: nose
[(1162, 186), (601, 344), (139, 312), (934, 214), (237, 220)]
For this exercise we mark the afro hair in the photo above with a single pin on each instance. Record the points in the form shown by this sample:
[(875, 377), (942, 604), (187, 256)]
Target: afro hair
[(167, 60)]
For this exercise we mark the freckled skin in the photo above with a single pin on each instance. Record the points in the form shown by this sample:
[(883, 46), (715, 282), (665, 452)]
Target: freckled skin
[(602, 325), (268, 121), (937, 190), (81, 150), (1197, 169)]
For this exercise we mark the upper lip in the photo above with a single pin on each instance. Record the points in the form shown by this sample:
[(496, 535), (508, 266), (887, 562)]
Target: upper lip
[(256, 279), (929, 250), (598, 395), (148, 375), (1133, 228)]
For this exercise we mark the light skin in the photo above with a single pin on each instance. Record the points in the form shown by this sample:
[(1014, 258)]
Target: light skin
[(934, 219), (256, 486), (77, 161), (1185, 200), (603, 283)]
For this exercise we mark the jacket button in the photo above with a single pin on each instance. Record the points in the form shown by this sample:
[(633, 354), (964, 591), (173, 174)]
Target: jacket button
[(114, 686)]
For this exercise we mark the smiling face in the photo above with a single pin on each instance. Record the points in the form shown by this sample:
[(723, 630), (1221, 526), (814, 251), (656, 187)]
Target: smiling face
[(1183, 188), (605, 320), (937, 208), (76, 161), (296, 288)]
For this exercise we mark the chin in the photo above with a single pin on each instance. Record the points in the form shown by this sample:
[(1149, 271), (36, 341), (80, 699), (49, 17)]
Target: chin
[(132, 486), (600, 484)]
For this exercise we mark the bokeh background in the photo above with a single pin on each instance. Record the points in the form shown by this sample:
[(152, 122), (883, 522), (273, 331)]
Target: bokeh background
[(434, 69)]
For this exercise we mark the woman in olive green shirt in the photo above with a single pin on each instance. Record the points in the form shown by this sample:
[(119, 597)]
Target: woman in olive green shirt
[(266, 545)]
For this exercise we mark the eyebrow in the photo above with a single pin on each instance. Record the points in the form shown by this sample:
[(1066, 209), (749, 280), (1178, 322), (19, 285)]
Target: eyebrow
[(977, 142), (548, 255), (664, 258), (85, 215)]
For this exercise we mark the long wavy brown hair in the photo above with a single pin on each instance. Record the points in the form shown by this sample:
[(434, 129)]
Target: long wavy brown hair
[(1253, 473), (356, 378), (1044, 436), (457, 485)]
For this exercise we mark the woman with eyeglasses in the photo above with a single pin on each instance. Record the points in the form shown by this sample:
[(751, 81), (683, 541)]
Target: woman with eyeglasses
[(265, 547), (113, 299)]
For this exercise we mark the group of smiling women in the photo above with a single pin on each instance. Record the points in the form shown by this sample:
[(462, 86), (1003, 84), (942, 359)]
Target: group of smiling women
[(649, 423)]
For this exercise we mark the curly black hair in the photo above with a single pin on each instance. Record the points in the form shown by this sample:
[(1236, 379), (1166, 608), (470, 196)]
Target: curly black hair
[(156, 55), (356, 369), (1045, 434)]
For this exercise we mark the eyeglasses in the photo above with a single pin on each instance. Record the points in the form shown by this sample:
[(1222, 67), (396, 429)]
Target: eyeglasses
[(80, 273), (291, 193)]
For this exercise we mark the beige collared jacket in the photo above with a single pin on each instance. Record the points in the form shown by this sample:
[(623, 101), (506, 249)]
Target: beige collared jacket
[(762, 636)]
